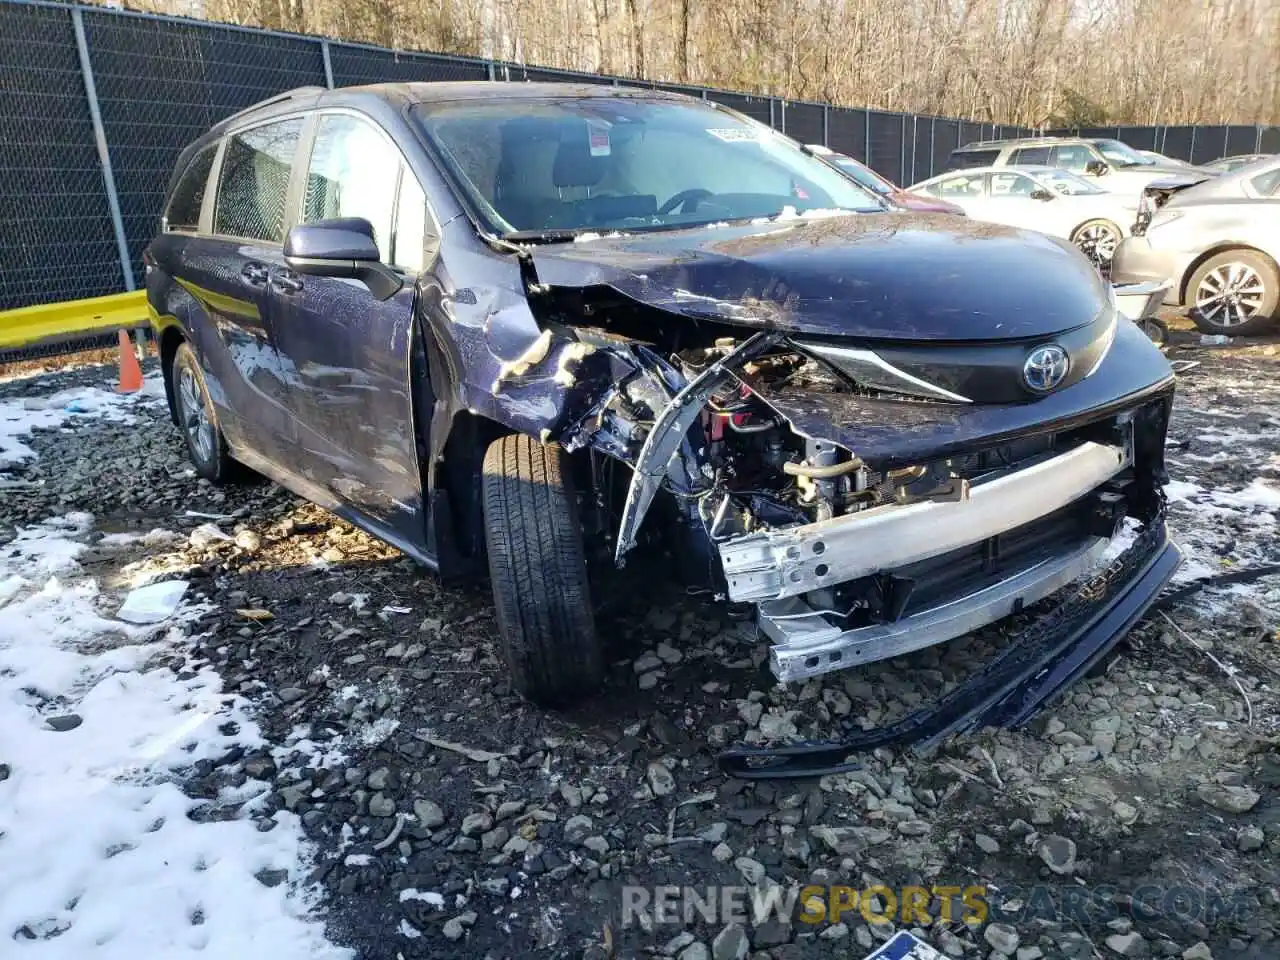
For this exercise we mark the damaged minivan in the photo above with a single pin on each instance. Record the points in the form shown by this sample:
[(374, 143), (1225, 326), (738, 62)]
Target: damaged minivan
[(527, 328)]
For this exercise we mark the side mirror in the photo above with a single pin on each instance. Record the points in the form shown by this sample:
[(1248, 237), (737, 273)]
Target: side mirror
[(1041, 193), (341, 248), (1097, 168)]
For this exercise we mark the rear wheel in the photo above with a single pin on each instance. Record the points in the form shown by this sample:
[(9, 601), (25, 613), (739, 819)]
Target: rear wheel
[(538, 569), (198, 421), (1235, 293), (1097, 240)]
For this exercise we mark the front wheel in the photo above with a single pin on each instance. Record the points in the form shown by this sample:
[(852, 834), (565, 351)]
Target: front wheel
[(538, 569), (1097, 240), (1235, 293)]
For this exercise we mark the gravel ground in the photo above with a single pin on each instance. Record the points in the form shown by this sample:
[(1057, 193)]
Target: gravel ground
[(455, 820)]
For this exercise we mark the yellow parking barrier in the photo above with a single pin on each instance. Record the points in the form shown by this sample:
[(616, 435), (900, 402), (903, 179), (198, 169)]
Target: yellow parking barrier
[(50, 323)]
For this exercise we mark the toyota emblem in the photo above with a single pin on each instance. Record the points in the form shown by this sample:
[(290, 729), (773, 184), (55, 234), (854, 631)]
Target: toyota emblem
[(1045, 368)]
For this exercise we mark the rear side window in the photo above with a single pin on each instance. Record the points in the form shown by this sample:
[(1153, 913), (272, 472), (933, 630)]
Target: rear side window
[(353, 173), (1030, 157), (255, 180), (183, 212), (963, 159)]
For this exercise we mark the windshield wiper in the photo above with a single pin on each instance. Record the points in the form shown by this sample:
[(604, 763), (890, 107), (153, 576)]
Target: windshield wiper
[(542, 236)]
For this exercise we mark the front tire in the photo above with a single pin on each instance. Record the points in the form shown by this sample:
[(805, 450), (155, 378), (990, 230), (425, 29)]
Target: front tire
[(538, 569), (1235, 293), (1097, 240), (198, 420)]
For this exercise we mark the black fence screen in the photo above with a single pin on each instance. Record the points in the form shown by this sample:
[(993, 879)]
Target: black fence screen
[(56, 239), (804, 121), (79, 84), (884, 143), (161, 84), (946, 137)]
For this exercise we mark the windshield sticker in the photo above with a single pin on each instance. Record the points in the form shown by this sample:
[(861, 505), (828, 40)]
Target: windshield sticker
[(735, 134), (598, 134)]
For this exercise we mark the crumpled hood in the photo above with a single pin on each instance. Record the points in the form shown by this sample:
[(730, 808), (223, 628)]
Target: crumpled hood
[(892, 276)]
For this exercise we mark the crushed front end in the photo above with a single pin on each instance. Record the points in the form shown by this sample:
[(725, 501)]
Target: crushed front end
[(841, 427), (870, 500)]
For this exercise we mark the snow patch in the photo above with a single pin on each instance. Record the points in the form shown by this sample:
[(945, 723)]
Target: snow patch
[(18, 418), (102, 857)]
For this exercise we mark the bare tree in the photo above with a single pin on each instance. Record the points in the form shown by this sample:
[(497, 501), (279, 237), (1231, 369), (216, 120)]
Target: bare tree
[(1028, 62)]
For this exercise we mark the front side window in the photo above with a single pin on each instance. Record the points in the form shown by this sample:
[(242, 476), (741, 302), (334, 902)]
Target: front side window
[(1030, 157), (411, 225), (183, 212), (1072, 156), (595, 163), (1121, 154), (1068, 184), (352, 173), (255, 181), (962, 186), (1011, 185)]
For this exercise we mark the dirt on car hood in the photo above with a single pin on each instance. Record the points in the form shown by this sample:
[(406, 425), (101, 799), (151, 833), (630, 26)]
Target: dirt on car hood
[(891, 276)]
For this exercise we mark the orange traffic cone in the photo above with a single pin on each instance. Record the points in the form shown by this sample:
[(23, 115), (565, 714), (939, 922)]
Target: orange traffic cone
[(130, 371)]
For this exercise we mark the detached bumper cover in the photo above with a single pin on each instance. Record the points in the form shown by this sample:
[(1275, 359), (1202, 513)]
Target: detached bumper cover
[(1045, 658)]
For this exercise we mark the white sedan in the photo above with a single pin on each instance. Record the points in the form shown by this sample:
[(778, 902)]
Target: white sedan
[(1047, 199)]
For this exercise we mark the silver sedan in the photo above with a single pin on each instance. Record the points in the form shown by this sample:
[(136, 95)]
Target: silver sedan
[(1047, 199), (1218, 242)]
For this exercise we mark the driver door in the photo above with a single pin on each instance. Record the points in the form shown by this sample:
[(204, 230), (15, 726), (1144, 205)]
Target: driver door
[(1010, 201), (347, 353)]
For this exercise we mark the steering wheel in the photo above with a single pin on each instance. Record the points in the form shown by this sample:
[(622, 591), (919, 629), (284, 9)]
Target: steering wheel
[(689, 199)]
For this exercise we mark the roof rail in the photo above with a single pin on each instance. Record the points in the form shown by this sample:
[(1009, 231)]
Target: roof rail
[(278, 98)]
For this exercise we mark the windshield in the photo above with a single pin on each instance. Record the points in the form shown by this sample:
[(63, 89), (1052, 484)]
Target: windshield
[(863, 176), (1061, 181), (1121, 154), (550, 169)]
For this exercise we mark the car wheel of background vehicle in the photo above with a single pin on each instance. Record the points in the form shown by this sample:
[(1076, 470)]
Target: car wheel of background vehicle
[(1155, 329), (538, 569), (198, 421), (1097, 240), (1236, 293)]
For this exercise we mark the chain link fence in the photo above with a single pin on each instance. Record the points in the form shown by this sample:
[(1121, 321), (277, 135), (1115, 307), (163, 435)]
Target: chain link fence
[(97, 104)]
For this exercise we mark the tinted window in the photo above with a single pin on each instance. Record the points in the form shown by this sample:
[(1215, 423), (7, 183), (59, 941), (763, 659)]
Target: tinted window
[(411, 224), (604, 163), (1031, 156), (352, 173), (255, 180), (974, 158), (188, 195), (1075, 156), (1267, 184)]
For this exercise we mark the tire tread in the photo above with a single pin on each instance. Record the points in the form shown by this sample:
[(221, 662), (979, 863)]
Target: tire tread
[(538, 570)]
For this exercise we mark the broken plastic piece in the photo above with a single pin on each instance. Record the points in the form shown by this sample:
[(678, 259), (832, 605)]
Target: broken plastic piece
[(152, 603)]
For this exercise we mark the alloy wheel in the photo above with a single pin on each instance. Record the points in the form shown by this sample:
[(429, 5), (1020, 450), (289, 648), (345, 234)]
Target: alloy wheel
[(195, 418), (1098, 242), (1230, 294)]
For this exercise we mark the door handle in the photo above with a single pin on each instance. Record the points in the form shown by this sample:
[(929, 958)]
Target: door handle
[(286, 281), (254, 273)]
